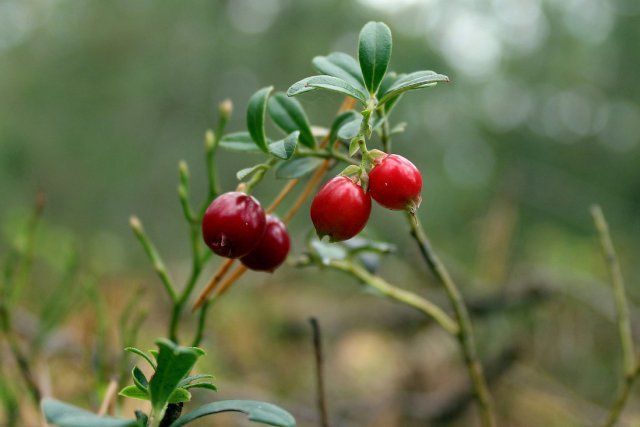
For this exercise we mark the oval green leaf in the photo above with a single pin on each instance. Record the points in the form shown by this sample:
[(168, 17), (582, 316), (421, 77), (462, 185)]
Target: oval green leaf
[(179, 395), (415, 80), (64, 415), (374, 53), (289, 115), (285, 148), (350, 129), (174, 363), (239, 141), (134, 392), (342, 66), (256, 112), (139, 379), (328, 83), (259, 412), (297, 168)]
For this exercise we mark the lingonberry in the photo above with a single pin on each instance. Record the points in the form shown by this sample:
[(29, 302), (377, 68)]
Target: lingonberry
[(395, 183), (272, 249), (233, 224), (341, 209)]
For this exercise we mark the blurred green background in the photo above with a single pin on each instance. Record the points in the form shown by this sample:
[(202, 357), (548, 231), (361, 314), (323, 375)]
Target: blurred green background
[(100, 99)]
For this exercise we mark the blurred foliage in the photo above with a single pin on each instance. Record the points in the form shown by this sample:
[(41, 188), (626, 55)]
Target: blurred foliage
[(99, 99)]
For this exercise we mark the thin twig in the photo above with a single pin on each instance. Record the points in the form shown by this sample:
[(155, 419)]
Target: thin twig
[(630, 363), (617, 282), (109, 395), (319, 365), (395, 293), (154, 257), (465, 333)]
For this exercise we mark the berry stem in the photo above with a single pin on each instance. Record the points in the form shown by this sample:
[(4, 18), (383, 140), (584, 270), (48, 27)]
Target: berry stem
[(397, 294), (631, 365), (465, 334)]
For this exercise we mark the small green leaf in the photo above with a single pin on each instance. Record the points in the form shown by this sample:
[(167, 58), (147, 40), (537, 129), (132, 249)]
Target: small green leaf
[(329, 83), (374, 53), (239, 141), (259, 412), (243, 173), (342, 66), (326, 252), (192, 378), (297, 168), (174, 363), (142, 354), (135, 392), (139, 379), (154, 353), (350, 129), (256, 111), (179, 395), (285, 148), (64, 415), (339, 121), (207, 386), (354, 146), (289, 115), (416, 80), (389, 79), (351, 170)]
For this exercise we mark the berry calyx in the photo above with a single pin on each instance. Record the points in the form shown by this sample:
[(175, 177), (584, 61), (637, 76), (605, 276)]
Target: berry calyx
[(341, 209), (233, 224), (395, 183), (272, 249)]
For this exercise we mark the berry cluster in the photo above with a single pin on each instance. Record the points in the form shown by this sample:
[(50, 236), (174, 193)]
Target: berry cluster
[(236, 226), (342, 207)]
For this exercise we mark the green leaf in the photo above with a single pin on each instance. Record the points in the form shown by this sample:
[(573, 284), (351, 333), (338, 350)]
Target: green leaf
[(416, 80), (256, 111), (139, 379), (239, 141), (389, 79), (135, 392), (179, 395), (192, 378), (374, 53), (259, 412), (207, 386), (342, 66), (174, 363), (64, 415), (289, 115), (350, 129), (141, 354), (329, 83), (243, 173), (340, 120), (351, 170), (297, 168), (354, 146), (327, 252), (285, 148)]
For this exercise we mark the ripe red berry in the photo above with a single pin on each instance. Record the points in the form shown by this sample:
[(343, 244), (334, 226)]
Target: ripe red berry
[(395, 183), (272, 249), (341, 209), (233, 224)]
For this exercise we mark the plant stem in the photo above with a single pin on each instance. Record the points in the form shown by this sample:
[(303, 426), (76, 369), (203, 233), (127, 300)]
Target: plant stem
[(617, 282), (154, 257), (319, 359), (630, 364), (465, 333), (325, 154), (394, 293)]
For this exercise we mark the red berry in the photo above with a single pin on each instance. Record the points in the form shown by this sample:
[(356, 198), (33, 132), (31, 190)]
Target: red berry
[(233, 224), (341, 209), (272, 249), (395, 183)]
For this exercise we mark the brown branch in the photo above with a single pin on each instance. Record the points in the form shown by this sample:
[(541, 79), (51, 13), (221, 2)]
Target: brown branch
[(319, 365)]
